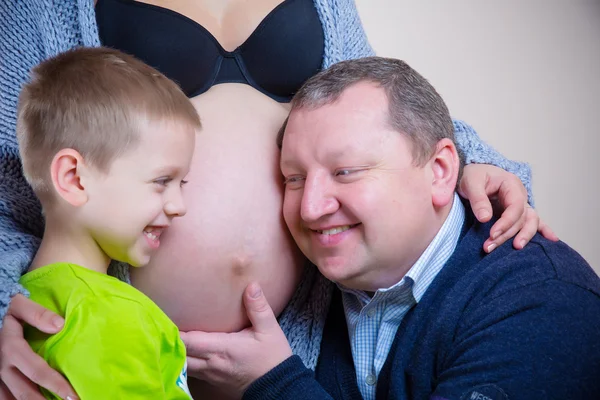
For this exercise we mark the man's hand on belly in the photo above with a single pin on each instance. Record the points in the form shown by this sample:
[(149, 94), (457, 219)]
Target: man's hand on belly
[(232, 361)]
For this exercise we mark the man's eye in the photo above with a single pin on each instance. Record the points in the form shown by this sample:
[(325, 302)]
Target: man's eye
[(343, 172)]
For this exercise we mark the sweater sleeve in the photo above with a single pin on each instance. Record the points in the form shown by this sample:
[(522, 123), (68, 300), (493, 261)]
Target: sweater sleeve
[(21, 222), (344, 35), (289, 380), (356, 43), (21, 226), (30, 31), (476, 151), (539, 341)]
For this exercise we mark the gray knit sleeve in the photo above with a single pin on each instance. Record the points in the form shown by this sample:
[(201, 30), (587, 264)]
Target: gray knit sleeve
[(344, 35), (21, 226), (355, 41), (477, 151), (30, 31)]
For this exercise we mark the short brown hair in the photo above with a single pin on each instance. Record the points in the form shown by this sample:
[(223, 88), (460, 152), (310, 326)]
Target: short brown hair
[(91, 100), (414, 106)]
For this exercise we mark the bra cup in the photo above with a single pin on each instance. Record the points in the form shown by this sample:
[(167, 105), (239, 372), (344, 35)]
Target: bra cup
[(190, 63), (279, 56), (294, 52)]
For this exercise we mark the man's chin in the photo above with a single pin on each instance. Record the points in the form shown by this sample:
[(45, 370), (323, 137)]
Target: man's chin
[(334, 270)]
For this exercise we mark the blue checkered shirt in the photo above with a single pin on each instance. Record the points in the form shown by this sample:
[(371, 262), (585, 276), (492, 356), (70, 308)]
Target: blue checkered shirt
[(373, 321)]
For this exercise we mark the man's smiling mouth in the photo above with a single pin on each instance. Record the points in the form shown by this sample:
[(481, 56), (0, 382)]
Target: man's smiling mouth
[(337, 229)]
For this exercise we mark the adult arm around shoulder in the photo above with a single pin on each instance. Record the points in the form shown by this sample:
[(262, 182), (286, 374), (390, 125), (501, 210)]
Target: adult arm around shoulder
[(21, 370), (21, 225), (476, 151)]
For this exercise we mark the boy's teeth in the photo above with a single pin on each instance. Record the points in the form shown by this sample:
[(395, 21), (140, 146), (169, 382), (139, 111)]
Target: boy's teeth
[(150, 235), (333, 231)]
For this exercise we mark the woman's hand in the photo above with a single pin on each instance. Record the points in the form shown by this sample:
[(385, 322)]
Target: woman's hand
[(482, 183), (21, 370), (232, 361)]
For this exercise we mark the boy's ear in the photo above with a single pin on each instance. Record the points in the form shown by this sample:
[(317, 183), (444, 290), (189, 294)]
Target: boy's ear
[(66, 172), (445, 164)]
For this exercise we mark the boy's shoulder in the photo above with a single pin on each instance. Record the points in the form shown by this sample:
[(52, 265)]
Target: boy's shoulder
[(71, 286)]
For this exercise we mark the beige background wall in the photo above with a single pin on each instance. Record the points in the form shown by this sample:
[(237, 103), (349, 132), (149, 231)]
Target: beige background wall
[(526, 75)]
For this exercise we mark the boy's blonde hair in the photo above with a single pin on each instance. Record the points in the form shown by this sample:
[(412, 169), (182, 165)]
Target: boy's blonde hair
[(92, 100)]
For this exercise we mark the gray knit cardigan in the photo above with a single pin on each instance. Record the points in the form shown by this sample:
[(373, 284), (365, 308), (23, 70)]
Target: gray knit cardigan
[(33, 30)]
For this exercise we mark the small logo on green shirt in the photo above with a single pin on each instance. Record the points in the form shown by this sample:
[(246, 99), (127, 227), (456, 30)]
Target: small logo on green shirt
[(182, 380)]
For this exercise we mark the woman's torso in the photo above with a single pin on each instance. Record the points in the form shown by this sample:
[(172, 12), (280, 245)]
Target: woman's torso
[(233, 231)]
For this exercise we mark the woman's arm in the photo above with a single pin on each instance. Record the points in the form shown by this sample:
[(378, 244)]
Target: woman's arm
[(476, 151), (345, 37), (21, 226)]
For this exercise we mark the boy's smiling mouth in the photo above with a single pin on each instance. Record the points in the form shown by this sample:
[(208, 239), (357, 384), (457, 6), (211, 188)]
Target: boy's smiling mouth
[(152, 234)]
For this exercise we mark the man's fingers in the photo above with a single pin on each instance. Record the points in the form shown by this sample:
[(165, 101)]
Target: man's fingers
[(35, 315), (258, 309), (203, 345), (196, 367)]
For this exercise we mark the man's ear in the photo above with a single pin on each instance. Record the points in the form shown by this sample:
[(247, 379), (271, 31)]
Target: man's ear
[(445, 164), (66, 172)]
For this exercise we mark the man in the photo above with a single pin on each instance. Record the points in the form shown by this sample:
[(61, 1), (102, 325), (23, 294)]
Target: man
[(422, 312)]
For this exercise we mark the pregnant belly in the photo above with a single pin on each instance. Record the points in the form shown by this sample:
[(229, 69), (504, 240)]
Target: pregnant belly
[(233, 232)]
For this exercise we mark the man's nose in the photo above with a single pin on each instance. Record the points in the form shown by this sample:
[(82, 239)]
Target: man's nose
[(318, 199)]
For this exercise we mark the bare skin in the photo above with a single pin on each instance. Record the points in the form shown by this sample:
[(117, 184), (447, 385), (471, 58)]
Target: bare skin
[(234, 233)]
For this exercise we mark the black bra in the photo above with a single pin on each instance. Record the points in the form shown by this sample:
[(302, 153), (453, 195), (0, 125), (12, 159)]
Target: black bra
[(279, 56)]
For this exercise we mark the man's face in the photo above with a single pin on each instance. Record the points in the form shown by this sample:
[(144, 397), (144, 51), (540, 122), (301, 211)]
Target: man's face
[(354, 202), (134, 202)]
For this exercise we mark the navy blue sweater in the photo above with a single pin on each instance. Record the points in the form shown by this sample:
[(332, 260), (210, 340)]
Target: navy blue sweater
[(513, 324)]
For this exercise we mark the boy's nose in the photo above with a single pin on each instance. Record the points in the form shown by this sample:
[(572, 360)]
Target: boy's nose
[(175, 207)]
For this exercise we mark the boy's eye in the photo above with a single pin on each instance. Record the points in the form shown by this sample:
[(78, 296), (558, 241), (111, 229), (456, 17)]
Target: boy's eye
[(162, 181), (182, 183), (293, 179)]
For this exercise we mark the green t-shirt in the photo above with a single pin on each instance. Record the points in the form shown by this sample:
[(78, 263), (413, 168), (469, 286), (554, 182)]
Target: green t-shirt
[(116, 343)]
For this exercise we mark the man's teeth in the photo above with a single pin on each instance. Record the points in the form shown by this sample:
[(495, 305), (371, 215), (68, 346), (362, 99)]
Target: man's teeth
[(151, 235), (333, 231)]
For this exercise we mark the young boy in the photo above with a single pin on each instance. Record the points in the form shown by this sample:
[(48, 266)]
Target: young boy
[(106, 142)]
